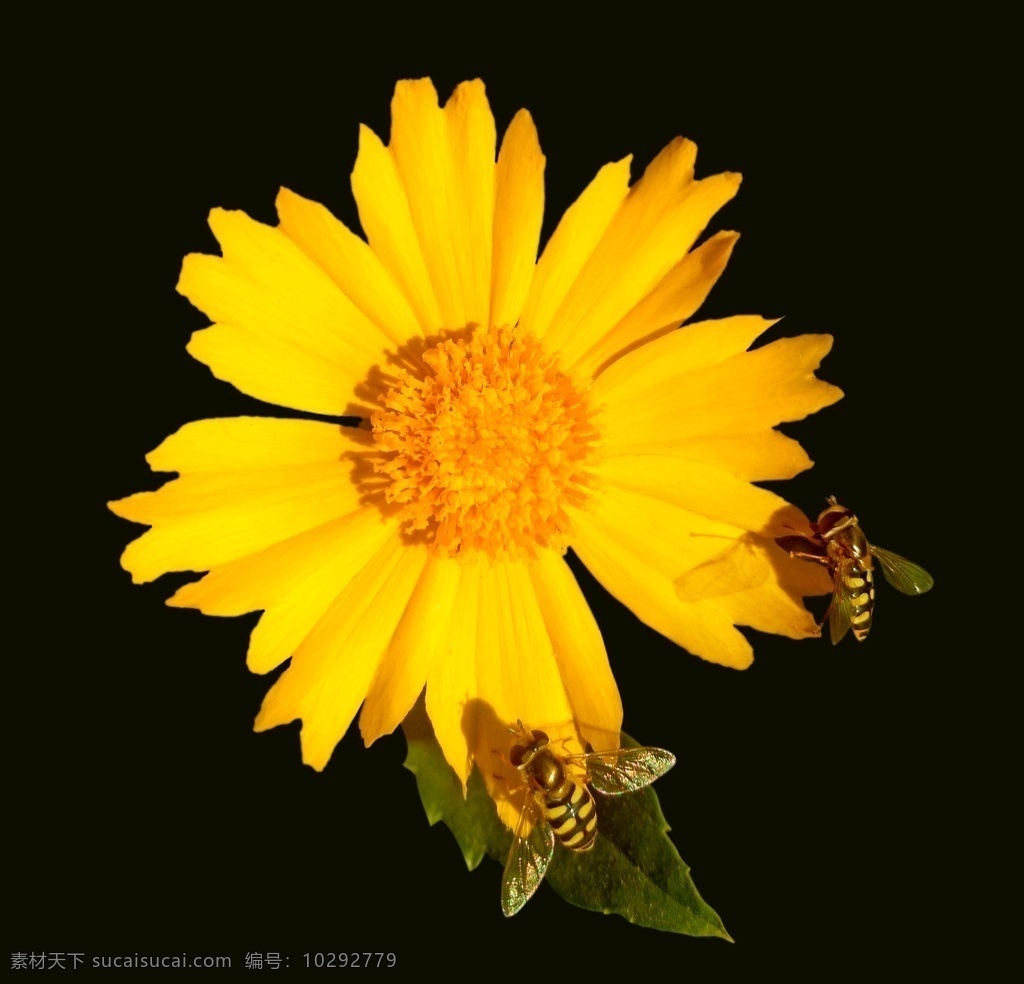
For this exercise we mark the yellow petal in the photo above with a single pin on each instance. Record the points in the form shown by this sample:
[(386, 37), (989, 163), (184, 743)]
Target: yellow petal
[(267, 285), (210, 518), (386, 220), (759, 456), (579, 649), (423, 156), (473, 141), (422, 635), (680, 293), (748, 392), (500, 665), (641, 547), (518, 213), (293, 582), (350, 263), (451, 679), (279, 371), (229, 443), (655, 226), (739, 566), (665, 536), (756, 584), (517, 676), (330, 672), (703, 489), (516, 666), (700, 628), (578, 232), (692, 348)]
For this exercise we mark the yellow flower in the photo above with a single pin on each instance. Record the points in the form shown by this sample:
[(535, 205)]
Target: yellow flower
[(511, 408)]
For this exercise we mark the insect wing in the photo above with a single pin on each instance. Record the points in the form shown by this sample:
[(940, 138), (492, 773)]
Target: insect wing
[(626, 769), (840, 611), (901, 573), (527, 862), (740, 567)]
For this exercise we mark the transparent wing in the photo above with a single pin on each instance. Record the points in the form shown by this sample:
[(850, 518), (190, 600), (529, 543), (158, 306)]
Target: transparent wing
[(740, 567), (626, 769), (901, 573), (527, 862), (840, 610)]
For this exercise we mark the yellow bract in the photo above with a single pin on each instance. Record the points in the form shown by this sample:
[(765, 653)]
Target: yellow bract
[(511, 408)]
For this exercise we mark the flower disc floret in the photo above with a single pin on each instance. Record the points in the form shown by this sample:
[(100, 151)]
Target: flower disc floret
[(486, 448)]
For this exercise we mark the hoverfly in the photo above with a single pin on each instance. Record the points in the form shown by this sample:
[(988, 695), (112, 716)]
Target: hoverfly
[(561, 807), (840, 544)]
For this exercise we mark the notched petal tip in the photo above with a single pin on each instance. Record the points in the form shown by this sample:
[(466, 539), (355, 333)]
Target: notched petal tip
[(680, 147), (285, 196), (375, 723), (674, 163), (196, 344), (127, 508), (159, 459), (220, 219), (522, 136), (184, 597), (317, 760), (130, 562), (189, 272), (825, 340), (420, 86), (116, 506), (469, 88)]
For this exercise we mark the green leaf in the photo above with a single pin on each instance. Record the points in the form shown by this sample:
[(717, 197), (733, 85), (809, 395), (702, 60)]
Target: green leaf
[(633, 868), (473, 820)]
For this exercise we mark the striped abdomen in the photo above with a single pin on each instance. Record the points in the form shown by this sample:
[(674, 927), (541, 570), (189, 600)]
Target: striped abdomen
[(859, 584), (572, 814)]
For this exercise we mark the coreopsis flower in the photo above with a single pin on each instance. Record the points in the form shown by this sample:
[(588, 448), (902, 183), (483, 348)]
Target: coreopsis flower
[(511, 408)]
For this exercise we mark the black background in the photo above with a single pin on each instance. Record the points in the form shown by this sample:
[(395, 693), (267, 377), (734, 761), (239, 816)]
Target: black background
[(835, 805)]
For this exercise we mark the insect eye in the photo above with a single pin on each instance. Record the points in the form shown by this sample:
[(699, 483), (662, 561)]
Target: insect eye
[(830, 518), (516, 755), (540, 737)]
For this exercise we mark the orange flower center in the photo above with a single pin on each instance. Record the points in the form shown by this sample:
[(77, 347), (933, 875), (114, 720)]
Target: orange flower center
[(487, 446)]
